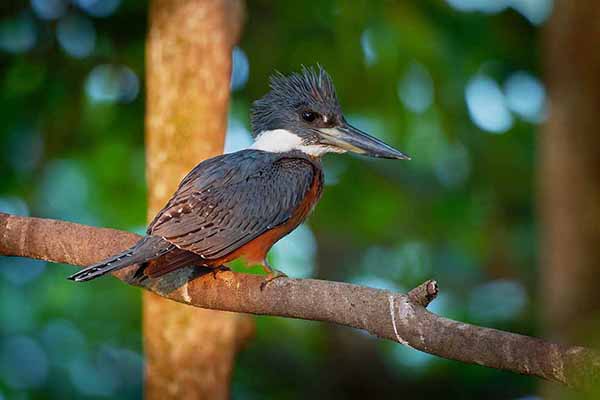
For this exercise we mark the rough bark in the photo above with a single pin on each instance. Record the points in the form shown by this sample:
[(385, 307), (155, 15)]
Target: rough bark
[(189, 351), (397, 317), (569, 175), (570, 170)]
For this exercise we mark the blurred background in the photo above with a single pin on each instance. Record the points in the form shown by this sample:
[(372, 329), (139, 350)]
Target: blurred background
[(454, 83)]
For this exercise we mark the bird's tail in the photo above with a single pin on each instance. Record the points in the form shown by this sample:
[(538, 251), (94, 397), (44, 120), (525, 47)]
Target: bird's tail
[(146, 249)]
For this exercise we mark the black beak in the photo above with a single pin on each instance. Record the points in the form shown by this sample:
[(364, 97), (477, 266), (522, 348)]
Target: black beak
[(349, 138)]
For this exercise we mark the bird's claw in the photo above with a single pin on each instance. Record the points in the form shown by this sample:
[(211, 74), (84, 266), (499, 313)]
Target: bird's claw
[(274, 274), (220, 268)]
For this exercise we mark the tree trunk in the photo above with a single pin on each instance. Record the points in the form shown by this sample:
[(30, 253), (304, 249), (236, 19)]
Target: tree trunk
[(570, 174), (189, 351)]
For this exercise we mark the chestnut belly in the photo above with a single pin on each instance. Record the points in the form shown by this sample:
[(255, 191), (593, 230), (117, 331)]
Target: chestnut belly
[(255, 251)]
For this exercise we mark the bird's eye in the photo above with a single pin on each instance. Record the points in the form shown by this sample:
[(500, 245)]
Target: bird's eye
[(309, 116)]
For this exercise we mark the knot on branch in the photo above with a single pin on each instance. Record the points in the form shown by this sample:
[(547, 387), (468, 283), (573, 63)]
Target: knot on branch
[(425, 293)]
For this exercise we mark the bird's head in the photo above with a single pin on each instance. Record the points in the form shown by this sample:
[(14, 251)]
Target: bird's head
[(302, 112)]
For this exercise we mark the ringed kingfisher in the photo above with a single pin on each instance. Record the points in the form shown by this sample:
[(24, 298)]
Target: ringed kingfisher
[(238, 205)]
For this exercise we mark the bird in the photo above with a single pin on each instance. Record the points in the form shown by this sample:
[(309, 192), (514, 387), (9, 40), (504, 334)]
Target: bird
[(238, 205)]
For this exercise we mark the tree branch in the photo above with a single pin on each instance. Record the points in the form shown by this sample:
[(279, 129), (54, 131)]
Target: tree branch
[(397, 317)]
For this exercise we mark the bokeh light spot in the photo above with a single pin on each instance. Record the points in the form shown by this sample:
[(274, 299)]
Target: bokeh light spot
[(525, 96), (416, 88), (295, 253), (486, 105), (59, 335), (49, 9), (237, 137), (366, 44), (414, 360), (484, 6), (369, 124), (240, 69), (24, 149), (17, 34), (93, 377), (498, 300), (453, 165), (14, 205), (112, 83), (98, 8), (19, 271), (376, 282), (413, 260), (23, 363), (64, 192), (76, 35), (536, 11), (128, 364), (17, 310)]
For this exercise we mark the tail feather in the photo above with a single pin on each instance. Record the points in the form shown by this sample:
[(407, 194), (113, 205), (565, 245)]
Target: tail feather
[(171, 261), (146, 249)]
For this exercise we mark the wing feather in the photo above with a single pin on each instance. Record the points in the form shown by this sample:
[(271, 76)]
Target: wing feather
[(233, 199)]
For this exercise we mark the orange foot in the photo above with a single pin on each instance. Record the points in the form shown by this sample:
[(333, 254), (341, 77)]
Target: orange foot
[(220, 268), (272, 274)]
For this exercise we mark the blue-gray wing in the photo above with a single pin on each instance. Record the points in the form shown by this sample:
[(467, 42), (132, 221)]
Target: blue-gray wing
[(228, 201)]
